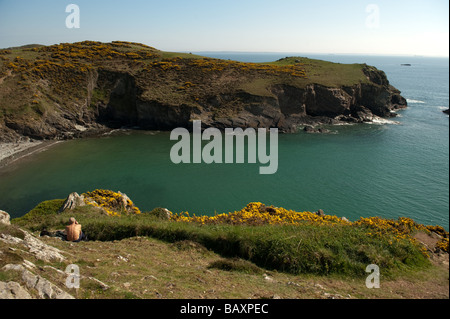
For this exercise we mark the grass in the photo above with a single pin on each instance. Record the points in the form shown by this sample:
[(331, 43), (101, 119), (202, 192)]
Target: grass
[(147, 256), (327, 73), (37, 218), (236, 264), (296, 249)]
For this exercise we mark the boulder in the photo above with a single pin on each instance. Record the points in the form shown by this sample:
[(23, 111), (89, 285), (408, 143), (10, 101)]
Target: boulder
[(363, 114), (72, 201), (4, 218), (310, 129), (313, 130), (324, 131)]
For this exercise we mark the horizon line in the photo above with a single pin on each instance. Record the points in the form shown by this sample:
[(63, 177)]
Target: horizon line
[(319, 53), (253, 52)]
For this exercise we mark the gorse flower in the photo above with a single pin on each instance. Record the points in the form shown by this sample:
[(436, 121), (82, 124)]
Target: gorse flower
[(259, 214), (114, 204), (255, 214)]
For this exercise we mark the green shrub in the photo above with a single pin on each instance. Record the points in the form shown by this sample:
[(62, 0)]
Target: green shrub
[(160, 213), (309, 248), (38, 217), (236, 264), (313, 249)]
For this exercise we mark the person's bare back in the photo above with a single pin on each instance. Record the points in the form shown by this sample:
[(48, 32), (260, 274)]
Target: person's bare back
[(73, 231)]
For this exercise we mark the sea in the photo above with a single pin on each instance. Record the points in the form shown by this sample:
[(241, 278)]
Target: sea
[(392, 168)]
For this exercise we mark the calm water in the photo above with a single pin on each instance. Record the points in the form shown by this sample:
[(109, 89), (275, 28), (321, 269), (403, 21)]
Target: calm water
[(386, 170)]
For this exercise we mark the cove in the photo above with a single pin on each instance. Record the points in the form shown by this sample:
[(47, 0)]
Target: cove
[(213, 150), (359, 171)]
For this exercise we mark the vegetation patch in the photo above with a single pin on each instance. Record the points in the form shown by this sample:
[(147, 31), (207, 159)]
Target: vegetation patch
[(38, 217), (11, 230), (269, 237), (236, 264)]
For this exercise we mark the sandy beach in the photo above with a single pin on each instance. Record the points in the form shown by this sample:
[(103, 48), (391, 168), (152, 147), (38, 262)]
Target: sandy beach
[(11, 152)]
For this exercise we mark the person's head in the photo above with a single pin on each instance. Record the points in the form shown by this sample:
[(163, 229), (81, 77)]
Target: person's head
[(72, 220)]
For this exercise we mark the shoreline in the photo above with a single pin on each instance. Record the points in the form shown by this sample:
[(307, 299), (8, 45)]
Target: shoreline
[(12, 152)]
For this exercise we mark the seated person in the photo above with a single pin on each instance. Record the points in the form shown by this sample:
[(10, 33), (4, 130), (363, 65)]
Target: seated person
[(73, 231)]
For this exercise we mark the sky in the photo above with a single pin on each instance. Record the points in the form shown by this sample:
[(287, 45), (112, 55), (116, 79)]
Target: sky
[(386, 27)]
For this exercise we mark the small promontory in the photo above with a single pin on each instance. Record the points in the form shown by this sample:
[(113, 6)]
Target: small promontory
[(72, 89)]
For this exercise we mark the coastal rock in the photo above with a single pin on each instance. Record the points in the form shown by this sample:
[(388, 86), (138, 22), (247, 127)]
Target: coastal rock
[(36, 247), (447, 111), (320, 213), (41, 250), (73, 200), (4, 218), (44, 288), (13, 290), (125, 200), (364, 114), (312, 130)]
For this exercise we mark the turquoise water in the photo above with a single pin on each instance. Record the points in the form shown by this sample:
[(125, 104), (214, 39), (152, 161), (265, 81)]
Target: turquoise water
[(388, 170)]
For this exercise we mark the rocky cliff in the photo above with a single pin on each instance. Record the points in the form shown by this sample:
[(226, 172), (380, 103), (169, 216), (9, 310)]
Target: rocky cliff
[(70, 90)]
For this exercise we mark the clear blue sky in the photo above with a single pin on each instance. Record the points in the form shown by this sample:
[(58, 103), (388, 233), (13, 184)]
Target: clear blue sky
[(403, 27)]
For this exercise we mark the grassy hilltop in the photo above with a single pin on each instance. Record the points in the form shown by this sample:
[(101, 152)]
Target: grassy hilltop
[(60, 91), (257, 252)]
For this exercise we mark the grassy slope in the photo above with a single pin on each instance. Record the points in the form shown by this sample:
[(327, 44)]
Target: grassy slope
[(146, 257)]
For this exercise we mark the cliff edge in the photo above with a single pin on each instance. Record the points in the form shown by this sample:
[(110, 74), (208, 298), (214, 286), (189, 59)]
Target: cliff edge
[(70, 90)]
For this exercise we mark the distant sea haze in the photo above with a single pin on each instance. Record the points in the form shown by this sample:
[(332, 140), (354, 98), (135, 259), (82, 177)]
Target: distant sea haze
[(388, 169)]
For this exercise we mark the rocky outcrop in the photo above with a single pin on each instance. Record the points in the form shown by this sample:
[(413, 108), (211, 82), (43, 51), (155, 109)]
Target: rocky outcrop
[(447, 111), (13, 290), (39, 285), (4, 218), (104, 201), (33, 281), (31, 285), (73, 200), (35, 247), (287, 107)]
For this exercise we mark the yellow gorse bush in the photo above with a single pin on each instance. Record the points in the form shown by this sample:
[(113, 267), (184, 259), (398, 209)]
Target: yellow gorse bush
[(114, 204), (259, 214), (80, 56), (255, 214)]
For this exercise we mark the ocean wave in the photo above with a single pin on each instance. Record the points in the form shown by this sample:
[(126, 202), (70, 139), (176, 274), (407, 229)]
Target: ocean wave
[(382, 121), (415, 101)]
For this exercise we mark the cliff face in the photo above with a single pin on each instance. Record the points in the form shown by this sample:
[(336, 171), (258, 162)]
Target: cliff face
[(287, 107), (71, 90)]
